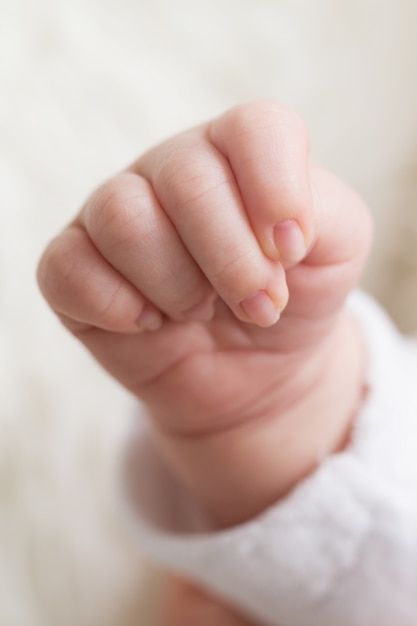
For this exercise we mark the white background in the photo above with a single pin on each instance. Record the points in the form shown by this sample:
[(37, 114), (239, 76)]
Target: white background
[(85, 86)]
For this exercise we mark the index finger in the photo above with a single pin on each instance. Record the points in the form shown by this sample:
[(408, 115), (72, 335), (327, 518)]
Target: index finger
[(267, 147)]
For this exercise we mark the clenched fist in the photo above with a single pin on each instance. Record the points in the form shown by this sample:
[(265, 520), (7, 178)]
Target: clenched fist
[(209, 277)]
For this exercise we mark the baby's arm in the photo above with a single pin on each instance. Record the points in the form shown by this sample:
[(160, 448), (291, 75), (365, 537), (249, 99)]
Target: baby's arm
[(341, 547), (174, 275)]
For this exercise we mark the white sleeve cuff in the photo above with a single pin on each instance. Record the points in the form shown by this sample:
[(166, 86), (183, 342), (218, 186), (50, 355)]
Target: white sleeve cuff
[(341, 548)]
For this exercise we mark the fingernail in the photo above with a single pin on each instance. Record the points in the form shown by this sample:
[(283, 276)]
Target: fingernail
[(202, 312), (149, 319), (290, 242), (260, 309)]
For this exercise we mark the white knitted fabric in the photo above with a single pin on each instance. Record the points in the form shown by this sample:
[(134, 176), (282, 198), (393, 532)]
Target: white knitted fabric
[(341, 549)]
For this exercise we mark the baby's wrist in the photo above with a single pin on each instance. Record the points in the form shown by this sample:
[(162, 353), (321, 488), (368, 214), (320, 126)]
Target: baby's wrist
[(238, 472)]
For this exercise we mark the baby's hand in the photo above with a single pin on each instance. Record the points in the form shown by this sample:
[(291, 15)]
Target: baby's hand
[(175, 274)]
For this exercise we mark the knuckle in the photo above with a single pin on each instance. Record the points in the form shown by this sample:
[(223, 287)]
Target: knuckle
[(239, 276), (116, 207), (179, 167), (56, 268), (171, 166), (190, 174), (69, 283), (112, 309), (260, 114)]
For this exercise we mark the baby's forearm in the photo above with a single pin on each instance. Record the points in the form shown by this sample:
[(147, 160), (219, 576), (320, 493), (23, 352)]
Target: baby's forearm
[(237, 472), (339, 549)]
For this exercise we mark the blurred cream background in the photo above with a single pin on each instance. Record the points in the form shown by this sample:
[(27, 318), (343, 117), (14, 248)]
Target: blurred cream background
[(85, 86)]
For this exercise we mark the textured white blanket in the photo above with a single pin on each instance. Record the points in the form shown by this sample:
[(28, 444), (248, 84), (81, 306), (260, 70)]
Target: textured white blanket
[(85, 86)]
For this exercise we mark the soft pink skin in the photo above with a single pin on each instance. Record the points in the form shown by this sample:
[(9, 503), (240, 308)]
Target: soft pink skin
[(187, 605), (188, 233)]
